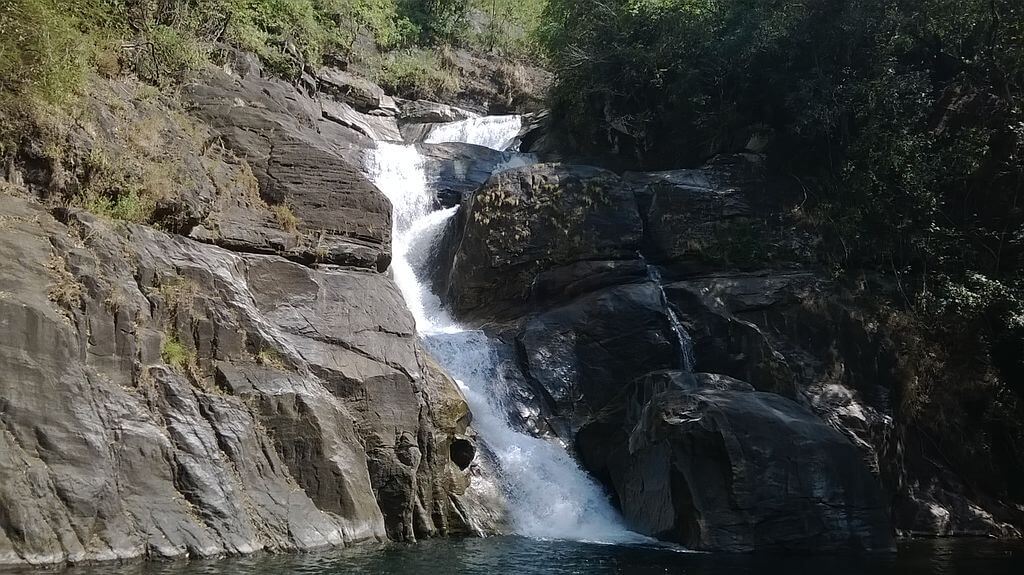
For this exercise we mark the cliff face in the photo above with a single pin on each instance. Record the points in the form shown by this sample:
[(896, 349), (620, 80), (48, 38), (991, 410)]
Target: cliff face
[(677, 329), (251, 381)]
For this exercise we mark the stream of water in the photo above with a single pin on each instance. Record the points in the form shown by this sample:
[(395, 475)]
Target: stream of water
[(549, 496)]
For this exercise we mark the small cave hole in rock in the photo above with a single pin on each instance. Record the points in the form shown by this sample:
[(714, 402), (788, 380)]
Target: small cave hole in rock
[(462, 452)]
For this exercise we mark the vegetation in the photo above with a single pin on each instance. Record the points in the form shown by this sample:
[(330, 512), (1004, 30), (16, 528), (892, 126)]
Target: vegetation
[(509, 27), (49, 47), (176, 354), (64, 289), (417, 73), (271, 358), (285, 217), (901, 121)]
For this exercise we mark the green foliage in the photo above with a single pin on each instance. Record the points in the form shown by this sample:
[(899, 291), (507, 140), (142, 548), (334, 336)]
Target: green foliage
[(47, 46), (443, 21), (509, 26), (390, 27), (176, 354), (416, 73), (40, 51)]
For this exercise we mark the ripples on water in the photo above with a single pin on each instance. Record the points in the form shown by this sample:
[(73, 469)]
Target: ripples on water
[(521, 556)]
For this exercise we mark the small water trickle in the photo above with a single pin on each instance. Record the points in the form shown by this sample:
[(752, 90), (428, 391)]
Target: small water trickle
[(687, 359), (549, 496)]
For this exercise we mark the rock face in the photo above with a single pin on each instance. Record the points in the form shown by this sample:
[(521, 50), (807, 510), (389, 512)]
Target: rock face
[(359, 93), (163, 397), (305, 156), (552, 254), (426, 112), (713, 218), (461, 169), (528, 220), (789, 333)]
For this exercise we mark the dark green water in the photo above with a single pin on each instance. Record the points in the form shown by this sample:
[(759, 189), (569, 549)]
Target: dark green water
[(519, 556)]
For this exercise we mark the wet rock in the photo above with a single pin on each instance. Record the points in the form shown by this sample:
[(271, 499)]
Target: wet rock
[(795, 334), (536, 137), (373, 127), (581, 354), (708, 463), (724, 342), (716, 217), (462, 168)]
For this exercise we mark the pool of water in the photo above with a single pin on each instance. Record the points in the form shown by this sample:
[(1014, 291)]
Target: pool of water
[(521, 556)]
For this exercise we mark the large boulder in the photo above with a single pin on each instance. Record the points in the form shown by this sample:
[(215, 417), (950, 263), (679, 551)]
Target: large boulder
[(709, 463), (461, 169), (536, 218), (427, 112), (717, 217), (582, 353), (358, 92), (373, 127), (164, 397), (731, 343)]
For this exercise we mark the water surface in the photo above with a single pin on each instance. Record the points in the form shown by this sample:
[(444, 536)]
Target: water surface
[(522, 556)]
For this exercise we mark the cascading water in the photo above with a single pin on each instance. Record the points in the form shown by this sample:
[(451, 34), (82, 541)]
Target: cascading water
[(549, 496), (497, 132)]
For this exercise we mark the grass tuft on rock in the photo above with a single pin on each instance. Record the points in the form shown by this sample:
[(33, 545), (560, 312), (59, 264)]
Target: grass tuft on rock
[(176, 354)]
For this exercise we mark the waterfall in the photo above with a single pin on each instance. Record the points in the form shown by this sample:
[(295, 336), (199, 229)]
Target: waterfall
[(497, 132), (549, 495), (687, 360)]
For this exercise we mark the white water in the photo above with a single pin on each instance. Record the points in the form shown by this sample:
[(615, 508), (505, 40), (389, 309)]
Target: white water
[(497, 132), (549, 496)]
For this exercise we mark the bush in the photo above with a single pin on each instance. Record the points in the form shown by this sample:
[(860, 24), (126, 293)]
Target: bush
[(43, 60), (416, 73), (443, 21)]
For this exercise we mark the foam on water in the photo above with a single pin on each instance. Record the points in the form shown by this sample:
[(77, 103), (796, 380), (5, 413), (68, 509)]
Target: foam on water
[(549, 495)]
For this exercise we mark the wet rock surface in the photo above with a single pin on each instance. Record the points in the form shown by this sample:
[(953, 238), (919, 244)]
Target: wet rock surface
[(735, 469), (771, 340), (532, 219)]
